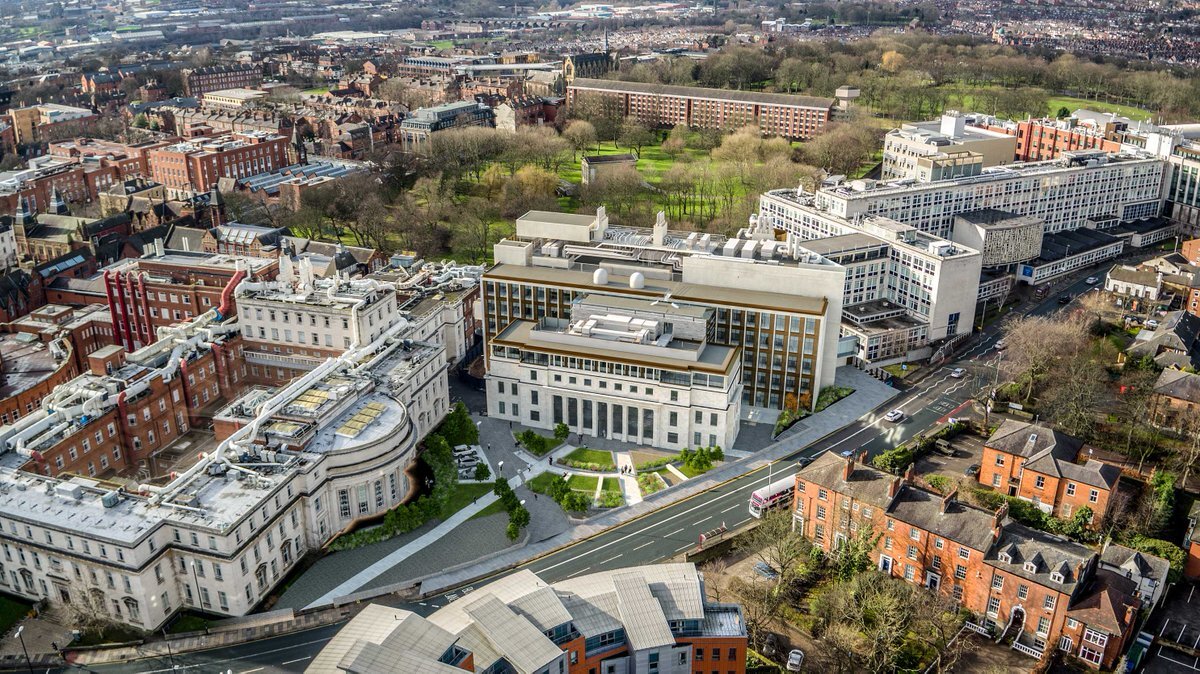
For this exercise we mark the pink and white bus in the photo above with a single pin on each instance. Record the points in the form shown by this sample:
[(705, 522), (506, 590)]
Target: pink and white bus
[(778, 494)]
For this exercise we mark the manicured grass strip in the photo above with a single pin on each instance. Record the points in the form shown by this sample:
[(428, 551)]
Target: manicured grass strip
[(611, 484), (585, 455), (583, 483), (463, 494)]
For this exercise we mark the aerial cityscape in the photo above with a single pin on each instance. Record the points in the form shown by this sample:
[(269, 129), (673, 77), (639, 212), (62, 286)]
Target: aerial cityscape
[(583, 338)]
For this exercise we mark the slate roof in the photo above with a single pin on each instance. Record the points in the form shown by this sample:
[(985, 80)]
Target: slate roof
[(1051, 452), (964, 524), (1174, 343), (866, 483), (1048, 553), (1105, 601), (1135, 563), (1179, 384)]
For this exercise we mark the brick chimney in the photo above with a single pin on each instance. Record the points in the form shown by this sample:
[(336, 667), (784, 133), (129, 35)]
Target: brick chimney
[(848, 468), (948, 499), (894, 487), (1001, 512), (1130, 614), (910, 473)]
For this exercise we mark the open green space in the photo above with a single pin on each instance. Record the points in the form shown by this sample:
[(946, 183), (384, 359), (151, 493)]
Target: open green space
[(611, 484), (585, 455), (1073, 104), (493, 508), (320, 91), (442, 44), (463, 494), (583, 483), (189, 622)]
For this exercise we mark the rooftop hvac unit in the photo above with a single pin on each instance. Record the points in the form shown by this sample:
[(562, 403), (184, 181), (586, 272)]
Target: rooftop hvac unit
[(110, 499)]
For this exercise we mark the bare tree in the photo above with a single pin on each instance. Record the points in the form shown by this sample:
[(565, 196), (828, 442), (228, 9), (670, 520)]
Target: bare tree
[(581, 135), (1035, 344)]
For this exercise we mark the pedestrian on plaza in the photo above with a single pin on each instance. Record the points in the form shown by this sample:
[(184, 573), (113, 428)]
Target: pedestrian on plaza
[(489, 446)]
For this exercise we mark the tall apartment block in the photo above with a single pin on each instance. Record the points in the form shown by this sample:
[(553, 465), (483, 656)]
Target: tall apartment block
[(663, 105)]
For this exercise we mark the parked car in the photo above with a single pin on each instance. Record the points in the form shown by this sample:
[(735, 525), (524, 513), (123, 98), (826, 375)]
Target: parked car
[(803, 461), (1092, 280), (1150, 324), (1000, 345), (771, 647), (972, 470), (894, 416), (795, 660), (1064, 299), (958, 373), (467, 461), (942, 446)]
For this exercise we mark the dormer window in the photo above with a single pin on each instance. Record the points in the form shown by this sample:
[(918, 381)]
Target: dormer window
[(1056, 577), (1031, 567), (1006, 558)]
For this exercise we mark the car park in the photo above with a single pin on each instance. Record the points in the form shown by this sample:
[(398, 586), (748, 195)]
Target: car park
[(894, 416)]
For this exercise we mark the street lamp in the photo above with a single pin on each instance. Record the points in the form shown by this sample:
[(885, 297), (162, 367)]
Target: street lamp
[(28, 662)]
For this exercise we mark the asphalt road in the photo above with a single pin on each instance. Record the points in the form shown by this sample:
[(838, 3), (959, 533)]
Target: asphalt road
[(665, 532)]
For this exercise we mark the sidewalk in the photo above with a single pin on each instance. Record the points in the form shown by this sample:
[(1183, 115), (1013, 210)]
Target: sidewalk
[(386, 563)]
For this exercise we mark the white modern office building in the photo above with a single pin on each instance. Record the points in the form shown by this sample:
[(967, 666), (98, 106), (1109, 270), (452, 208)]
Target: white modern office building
[(623, 368), (777, 306), (945, 148), (904, 289), (1063, 193)]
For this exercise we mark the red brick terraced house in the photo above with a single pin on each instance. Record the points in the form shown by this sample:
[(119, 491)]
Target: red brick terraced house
[(1033, 588), (1042, 466)]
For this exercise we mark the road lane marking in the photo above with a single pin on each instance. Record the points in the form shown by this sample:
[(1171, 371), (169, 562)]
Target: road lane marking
[(610, 559), (238, 659), (292, 662), (732, 507), (645, 544), (702, 521), (586, 568), (251, 671), (683, 548)]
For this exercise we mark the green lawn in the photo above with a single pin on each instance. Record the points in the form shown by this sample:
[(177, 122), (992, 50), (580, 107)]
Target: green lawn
[(494, 508), (584, 483), (189, 622), (670, 478), (541, 482), (1073, 104), (442, 44), (463, 494), (611, 484), (12, 611), (316, 91), (585, 455)]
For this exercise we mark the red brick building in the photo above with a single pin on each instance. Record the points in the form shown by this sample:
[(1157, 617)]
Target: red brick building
[(1046, 139), (664, 106), (1042, 466), (194, 167), (1045, 591), (147, 293), (215, 78)]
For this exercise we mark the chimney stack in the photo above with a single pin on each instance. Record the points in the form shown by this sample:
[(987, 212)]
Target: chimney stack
[(1001, 512), (848, 469), (894, 487), (947, 499), (910, 473), (996, 534)]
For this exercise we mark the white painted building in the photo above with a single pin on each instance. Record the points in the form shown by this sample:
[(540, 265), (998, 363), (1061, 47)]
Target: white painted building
[(779, 305), (292, 467), (1064, 193), (621, 368)]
